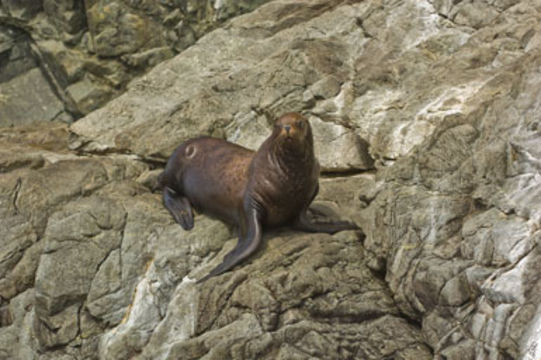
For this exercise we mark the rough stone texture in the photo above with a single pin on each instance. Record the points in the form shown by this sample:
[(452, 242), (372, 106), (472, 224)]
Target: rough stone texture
[(25, 93), (90, 49), (426, 122), (15, 56), (28, 98)]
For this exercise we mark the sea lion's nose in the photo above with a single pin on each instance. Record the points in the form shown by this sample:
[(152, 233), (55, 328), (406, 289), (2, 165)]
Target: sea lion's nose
[(287, 127)]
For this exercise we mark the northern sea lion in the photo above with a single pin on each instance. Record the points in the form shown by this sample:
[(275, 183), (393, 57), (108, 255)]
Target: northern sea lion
[(269, 188)]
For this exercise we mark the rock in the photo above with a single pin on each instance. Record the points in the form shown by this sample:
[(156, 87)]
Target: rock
[(113, 72), (182, 36), (505, 236), (20, 238), (475, 15), (19, 331), (66, 269), (462, 350), (21, 9), (59, 329), (531, 347), (331, 139), (116, 30), (21, 275), (88, 95), (15, 55), (249, 130), (308, 61), (426, 121), (148, 58), (67, 15), (65, 64), (28, 98), (227, 9), (128, 37), (278, 292), (325, 88)]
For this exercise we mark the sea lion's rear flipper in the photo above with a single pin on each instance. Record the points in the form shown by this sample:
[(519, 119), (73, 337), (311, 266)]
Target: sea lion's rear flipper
[(303, 223), (179, 207), (248, 243)]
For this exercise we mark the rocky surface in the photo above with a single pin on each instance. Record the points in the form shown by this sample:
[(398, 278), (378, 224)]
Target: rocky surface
[(425, 116), (88, 50)]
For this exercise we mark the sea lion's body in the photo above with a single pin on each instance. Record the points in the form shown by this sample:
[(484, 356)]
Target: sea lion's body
[(213, 179), (271, 187), (282, 184)]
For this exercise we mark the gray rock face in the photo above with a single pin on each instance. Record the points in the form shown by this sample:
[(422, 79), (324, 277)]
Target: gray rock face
[(14, 54), (89, 50), (25, 93), (425, 117), (28, 98)]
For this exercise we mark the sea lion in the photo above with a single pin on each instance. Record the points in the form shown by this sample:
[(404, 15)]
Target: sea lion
[(269, 188)]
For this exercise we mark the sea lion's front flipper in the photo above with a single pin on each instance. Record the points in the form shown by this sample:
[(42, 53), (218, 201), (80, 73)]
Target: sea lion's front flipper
[(303, 223), (248, 243), (179, 207)]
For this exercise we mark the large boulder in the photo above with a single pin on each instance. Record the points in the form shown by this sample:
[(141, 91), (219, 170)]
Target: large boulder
[(425, 116)]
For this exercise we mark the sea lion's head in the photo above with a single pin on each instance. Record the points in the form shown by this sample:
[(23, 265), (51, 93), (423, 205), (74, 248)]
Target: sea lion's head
[(293, 128)]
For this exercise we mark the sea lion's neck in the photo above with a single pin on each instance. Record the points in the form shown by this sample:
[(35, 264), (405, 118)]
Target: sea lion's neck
[(290, 156)]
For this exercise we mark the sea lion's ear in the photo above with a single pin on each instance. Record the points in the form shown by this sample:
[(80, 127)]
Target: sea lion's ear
[(190, 151)]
